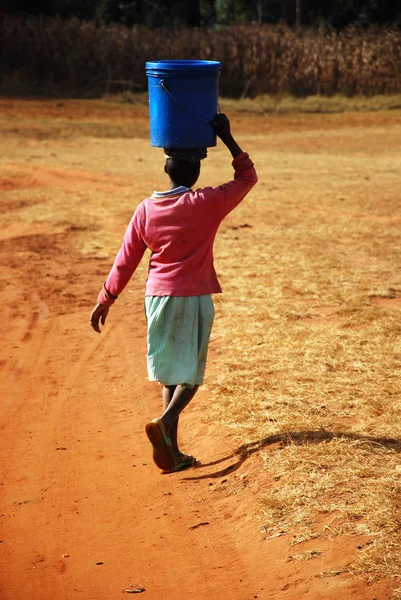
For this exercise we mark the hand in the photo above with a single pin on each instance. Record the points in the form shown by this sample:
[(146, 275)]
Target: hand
[(99, 312), (222, 126)]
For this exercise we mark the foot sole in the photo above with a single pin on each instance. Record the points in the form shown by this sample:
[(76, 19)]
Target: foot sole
[(162, 455)]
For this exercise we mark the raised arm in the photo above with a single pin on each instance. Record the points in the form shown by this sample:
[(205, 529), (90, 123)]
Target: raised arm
[(229, 195), (223, 130)]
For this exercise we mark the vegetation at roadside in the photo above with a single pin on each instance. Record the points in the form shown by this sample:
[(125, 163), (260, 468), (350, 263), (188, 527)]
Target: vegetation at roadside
[(92, 58)]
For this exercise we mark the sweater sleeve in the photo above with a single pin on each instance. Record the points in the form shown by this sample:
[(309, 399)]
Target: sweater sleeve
[(229, 195), (125, 263)]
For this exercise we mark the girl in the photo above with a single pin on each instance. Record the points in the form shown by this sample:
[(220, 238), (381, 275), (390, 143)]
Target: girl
[(178, 226)]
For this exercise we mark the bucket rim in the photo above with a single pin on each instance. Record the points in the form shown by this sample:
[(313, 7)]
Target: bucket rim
[(182, 65)]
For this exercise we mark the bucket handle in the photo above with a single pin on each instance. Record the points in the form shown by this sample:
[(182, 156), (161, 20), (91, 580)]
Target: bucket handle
[(165, 88)]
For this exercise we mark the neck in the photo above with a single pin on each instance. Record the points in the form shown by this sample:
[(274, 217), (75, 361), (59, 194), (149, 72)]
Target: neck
[(174, 184)]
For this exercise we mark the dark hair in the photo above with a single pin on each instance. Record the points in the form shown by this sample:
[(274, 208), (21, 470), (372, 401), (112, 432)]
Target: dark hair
[(181, 172)]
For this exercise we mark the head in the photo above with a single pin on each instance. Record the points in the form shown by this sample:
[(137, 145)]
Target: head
[(183, 165), (182, 172)]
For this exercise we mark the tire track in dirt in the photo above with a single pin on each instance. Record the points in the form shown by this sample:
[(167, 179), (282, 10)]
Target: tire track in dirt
[(78, 485), (41, 176)]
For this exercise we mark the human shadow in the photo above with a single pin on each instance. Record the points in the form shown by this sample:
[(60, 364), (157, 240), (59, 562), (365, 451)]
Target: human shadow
[(291, 438)]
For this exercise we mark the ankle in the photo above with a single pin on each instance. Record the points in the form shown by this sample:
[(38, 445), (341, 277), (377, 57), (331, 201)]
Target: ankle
[(166, 422)]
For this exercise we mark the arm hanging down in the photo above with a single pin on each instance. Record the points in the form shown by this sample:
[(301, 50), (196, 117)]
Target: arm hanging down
[(125, 264)]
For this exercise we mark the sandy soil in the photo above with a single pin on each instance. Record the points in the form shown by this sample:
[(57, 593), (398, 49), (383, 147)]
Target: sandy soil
[(84, 512)]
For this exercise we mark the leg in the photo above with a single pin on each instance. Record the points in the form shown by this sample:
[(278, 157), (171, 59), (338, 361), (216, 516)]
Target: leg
[(168, 393), (175, 399), (182, 396)]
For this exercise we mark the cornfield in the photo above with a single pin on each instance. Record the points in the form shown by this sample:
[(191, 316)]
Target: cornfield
[(92, 57)]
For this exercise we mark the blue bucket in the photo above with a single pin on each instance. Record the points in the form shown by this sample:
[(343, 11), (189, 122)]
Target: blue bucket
[(183, 102)]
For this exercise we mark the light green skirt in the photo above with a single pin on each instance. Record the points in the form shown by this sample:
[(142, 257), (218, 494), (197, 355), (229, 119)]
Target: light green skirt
[(178, 337)]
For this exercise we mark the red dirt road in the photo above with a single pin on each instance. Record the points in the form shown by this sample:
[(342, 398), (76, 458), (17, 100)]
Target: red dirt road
[(84, 511)]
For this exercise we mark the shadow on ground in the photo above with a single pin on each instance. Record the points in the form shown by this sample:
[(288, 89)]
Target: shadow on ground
[(295, 438)]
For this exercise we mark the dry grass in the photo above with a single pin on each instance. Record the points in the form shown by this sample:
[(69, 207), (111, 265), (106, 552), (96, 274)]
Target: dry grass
[(305, 355), (265, 104)]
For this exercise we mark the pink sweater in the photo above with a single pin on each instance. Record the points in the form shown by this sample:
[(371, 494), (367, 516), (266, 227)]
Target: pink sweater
[(179, 229)]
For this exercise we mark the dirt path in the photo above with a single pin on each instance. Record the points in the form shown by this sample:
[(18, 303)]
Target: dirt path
[(80, 485), (85, 513)]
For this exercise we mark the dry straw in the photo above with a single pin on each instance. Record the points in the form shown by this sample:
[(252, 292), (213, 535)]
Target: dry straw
[(308, 338), (90, 57)]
